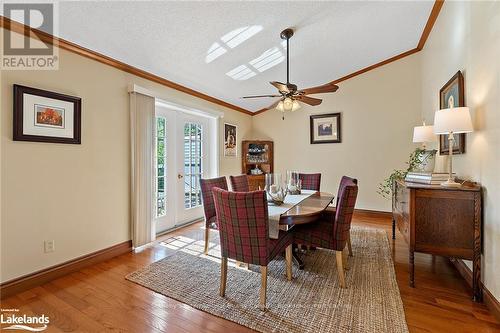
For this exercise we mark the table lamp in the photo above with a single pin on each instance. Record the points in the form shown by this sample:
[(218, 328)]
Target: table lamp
[(452, 121), (423, 134)]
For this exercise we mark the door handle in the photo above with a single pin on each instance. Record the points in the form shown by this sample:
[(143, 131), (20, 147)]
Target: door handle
[(179, 176)]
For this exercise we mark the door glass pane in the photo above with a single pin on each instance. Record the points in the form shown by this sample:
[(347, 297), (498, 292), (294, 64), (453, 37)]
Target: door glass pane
[(193, 168), (161, 166)]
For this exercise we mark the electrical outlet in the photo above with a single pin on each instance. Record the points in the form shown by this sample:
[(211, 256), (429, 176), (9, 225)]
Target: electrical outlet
[(49, 246)]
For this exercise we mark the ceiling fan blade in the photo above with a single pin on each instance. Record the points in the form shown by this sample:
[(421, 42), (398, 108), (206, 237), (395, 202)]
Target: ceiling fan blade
[(280, 86), (259, 96), (309, 100), (326, 88)]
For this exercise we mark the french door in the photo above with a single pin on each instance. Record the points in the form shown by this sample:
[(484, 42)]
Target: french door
[(182, 158)]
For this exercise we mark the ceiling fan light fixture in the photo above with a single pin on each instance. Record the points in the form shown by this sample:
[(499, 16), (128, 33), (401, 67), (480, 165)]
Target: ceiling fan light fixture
[(287, 105)]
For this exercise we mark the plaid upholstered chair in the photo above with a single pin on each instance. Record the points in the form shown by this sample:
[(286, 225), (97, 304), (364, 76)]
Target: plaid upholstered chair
[(346, 180), (310, 181), (239, 183), (244, 235), (207, 185), (332, 230)]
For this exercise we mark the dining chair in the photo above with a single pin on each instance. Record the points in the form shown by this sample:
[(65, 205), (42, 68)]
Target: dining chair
[(346, 180), (239, 183), (332, 230), (207, 186), (310, 181), (244, 235)]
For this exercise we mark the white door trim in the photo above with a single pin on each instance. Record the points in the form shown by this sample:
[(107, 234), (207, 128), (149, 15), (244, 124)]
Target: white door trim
[(173, 113), (206, 112)]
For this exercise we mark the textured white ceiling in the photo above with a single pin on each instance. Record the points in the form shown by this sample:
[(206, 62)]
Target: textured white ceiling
[(171, 39)]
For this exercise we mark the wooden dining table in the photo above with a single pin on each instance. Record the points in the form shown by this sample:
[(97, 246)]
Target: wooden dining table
[(308, 210)]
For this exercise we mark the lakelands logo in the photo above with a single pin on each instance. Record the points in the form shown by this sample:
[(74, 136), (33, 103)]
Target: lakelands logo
[(34, 50), (16, 321)]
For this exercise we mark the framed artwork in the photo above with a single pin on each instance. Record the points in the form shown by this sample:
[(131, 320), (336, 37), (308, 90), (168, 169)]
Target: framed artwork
[(45, 116), (325, 128), (452, 95), (230, 134)]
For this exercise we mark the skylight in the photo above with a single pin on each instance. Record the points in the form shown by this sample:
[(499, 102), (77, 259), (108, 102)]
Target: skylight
[(241, 73), (230, 41), (238, 36), (214, 52), (268, 59)]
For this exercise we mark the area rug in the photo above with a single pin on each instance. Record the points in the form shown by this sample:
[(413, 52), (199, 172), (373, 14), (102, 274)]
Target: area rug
[(312, 302)]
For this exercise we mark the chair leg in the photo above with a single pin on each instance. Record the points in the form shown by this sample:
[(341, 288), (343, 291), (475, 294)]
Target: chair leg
[(349, 244), (223, 276), (207, 233), (288, 257), (263, 288), (344, 259), (340, 268)]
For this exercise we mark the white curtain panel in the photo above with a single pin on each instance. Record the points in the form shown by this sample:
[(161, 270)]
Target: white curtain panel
[(142, 124)]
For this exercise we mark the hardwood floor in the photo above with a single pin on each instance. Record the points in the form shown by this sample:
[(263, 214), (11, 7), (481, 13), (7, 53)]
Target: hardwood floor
[(98, 298)]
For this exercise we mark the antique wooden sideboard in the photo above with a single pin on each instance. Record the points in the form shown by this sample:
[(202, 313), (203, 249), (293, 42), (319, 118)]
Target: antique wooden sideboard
[(440, 221)]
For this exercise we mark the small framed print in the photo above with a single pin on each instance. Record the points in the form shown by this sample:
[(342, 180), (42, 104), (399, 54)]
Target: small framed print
[(45, 116), (325, 128), (452, 95), (230, 141)]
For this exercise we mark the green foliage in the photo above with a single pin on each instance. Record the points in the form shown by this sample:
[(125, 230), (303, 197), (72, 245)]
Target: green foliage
[(416, 158)]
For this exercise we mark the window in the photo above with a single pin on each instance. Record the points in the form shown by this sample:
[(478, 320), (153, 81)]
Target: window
[(161, 166), (193, 168)]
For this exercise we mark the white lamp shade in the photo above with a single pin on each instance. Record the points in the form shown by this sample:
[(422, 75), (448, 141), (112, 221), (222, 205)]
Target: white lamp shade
[(424, 134), (456, 120)]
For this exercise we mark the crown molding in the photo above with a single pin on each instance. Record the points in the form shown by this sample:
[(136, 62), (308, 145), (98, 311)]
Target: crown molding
[(80, 50), (438, 4), (72, 47)]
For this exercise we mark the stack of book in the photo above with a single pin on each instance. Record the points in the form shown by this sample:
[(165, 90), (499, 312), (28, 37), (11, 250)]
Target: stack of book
[(431, 178)]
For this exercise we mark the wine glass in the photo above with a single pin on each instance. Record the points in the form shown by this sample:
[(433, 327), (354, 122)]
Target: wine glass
[(293, 182)]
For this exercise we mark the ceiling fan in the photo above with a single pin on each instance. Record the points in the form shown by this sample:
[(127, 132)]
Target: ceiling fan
[(288, 93)]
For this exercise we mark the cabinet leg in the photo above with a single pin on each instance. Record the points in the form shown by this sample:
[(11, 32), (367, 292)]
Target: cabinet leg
[(477, 295), (412, 269), (393, 228)]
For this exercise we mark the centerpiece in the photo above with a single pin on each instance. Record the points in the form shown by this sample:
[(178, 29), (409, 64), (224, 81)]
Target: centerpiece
[(275, 189)]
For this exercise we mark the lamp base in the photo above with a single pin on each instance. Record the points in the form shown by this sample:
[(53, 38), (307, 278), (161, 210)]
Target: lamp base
[(451, 183)]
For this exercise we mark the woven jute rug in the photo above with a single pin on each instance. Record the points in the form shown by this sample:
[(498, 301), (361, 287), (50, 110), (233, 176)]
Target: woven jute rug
[(312, 302)]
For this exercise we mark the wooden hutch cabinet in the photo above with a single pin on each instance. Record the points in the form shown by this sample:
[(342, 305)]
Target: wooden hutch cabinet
[(257, 155), (440, 221)]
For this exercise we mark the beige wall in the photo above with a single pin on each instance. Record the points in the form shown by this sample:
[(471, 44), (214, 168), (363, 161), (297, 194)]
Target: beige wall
[(77, 195), (466, 37), (379, 109)]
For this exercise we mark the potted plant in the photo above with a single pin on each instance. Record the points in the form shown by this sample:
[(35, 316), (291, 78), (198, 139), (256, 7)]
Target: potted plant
[(416, 162)]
